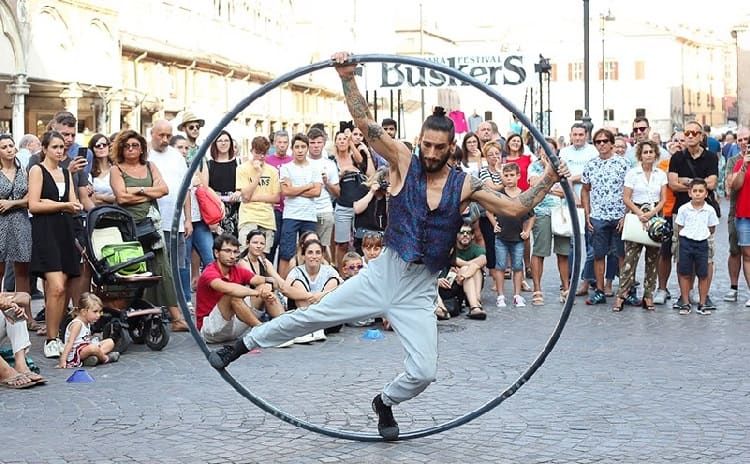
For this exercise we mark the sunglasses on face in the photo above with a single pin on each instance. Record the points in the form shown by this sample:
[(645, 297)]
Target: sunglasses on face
[(601, 141), (193, 126), (693, 133), (354, 267), (131, 146), (465, 232), (640, 129), (101, 145)]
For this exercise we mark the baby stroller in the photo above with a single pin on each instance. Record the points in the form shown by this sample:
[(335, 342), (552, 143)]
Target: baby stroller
[(119, 270)]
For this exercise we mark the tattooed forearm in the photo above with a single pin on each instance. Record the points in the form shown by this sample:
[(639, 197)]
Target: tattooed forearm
[(356, 103), (374, 131), (476, 184), (535, 194)]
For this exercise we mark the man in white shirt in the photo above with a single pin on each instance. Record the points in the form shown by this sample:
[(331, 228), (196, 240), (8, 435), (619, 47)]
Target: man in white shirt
[(329, 174), (173, 170)]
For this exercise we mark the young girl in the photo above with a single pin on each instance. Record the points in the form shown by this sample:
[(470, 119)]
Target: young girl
[(372, 245), (80, 347)]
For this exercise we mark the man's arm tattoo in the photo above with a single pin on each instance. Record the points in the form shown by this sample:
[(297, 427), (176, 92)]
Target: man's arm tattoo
[(374, 131), (476, 184), (357, 104), (535, 194)]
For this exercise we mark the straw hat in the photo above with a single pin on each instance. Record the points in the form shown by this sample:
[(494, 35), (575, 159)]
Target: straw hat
[(187, 117)]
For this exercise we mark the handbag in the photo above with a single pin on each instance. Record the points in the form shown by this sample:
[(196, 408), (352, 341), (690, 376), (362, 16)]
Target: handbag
[(562, 226), (210, 205), (633, 231), (148, 229)]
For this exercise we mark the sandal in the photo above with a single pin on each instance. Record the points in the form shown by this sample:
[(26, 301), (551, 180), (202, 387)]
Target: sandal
[(525, 287), (17, 382), (476, 312), (42, 331), (34, 377), (442, 313), (648, 304), (33, 326), (619, 302), (537, 299), (179, 325), (563, 295)]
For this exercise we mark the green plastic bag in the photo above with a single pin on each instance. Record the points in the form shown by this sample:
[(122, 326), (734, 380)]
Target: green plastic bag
[(119, 253)]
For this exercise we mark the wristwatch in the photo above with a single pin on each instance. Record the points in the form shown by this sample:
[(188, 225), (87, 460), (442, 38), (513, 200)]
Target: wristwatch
[(142, 191)]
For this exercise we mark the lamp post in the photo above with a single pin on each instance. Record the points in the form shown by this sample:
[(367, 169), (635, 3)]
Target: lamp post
[(586, 115), (543, 68), (602, 21)]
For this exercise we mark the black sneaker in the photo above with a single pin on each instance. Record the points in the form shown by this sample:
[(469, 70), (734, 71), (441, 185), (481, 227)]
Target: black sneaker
[(702, 309), (597, 298), (387, 425), (709, 305), (225, 355), (632, 300)]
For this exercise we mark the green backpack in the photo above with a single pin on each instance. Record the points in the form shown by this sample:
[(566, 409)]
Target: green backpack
[(118, 253)]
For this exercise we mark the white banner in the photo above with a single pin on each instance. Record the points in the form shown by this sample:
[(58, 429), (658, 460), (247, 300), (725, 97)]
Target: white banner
[(493, 70)]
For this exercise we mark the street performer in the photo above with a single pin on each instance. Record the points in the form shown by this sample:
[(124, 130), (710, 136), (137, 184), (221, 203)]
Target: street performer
[(424, 216)]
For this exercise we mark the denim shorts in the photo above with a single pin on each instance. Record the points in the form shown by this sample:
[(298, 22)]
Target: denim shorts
[(606, 238), (503, 249), (289, 233), (743, 231)]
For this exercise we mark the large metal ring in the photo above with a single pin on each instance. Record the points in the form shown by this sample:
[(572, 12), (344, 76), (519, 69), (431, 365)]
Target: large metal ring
[(359, 436)]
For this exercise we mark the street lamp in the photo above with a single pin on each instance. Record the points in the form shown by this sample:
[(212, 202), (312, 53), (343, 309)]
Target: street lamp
[(543, 68), (602, 21), (586, 115)]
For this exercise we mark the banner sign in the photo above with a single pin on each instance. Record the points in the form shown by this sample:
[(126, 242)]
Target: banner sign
[(492, 70)]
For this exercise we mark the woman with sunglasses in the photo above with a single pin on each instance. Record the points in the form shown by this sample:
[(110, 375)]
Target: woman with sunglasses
[(255, 260), (371, 209), (137, 185), (99, 146)]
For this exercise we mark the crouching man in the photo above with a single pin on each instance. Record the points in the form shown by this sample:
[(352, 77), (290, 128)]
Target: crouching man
[(223, 311)]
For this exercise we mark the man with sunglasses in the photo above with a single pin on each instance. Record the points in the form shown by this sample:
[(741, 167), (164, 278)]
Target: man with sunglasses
[(191, 126), (641, 133), (603, 180), (694, 162), (467, 272)]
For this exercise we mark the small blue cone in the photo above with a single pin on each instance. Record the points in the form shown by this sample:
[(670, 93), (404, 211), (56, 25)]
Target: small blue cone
[(373, 334), (80, 376)]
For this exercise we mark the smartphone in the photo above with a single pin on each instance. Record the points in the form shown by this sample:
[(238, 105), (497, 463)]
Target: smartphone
[(450, 277), (10, 313), (83, 152)]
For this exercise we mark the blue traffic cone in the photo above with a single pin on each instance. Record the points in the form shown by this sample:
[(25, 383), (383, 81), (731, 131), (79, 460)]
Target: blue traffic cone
[(373, 334), (80, 376)]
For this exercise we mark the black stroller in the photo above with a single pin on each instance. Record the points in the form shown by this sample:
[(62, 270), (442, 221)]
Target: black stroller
[(120, 274)]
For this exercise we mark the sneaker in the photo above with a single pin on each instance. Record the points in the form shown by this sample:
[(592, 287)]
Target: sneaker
[(702, 310), (53, 348), (694, 298), (747, 304), (91, 361), (684, 308), (731, 296), (632, 300), (286, 344), (596, 298), (304, 339), (660, 296), (387, 425), (318, 335), (500, 302), (677, 304), (709, 305), (525, 287), (225, 355), (519, 301), (362, 323), (113, 357)]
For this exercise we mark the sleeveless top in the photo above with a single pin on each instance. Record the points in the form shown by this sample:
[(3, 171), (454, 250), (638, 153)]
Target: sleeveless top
[(139, 211), (418, 234)]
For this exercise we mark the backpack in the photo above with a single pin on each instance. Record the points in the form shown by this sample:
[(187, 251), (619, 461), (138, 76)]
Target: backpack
[(210, 205)]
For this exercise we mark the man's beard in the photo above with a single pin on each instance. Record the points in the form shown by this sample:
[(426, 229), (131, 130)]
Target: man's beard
[(434, 166)]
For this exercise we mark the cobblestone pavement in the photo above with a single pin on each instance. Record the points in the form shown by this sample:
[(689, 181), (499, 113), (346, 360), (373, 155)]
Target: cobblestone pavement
[(628, 387)]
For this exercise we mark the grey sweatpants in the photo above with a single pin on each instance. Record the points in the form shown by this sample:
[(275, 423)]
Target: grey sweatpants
[(404, 293)]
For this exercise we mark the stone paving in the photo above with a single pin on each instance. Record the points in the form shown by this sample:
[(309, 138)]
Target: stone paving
[(629, 387)]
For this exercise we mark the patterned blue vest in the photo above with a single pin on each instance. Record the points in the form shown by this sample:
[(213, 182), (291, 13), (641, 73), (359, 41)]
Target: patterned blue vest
[(417, 234)]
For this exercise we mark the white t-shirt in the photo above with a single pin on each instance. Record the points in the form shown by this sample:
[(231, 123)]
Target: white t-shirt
[(645, 191), (576, 159), (323, 203), (173, 169), (325, 273), (299, 207)]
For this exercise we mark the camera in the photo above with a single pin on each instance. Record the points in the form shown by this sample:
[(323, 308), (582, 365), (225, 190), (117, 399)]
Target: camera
[(384, 184)]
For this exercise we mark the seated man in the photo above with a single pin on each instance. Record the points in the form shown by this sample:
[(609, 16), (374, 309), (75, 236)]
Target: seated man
[(465, 278), (13, 326), (223, 311)]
